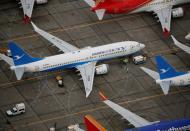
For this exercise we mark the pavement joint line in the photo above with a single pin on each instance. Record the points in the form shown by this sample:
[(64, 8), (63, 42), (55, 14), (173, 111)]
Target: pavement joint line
[(101, 107)]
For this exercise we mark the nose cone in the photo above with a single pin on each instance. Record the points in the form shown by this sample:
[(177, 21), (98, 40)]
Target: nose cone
[(142, 46)]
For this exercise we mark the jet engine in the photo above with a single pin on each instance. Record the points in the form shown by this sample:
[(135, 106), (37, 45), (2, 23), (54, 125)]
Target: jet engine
[(177, 12), (102, 69), (38, 2)]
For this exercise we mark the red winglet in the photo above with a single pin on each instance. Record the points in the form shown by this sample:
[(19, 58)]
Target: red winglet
[(92, 124), (166, 33), (102, 97), (26, 19)]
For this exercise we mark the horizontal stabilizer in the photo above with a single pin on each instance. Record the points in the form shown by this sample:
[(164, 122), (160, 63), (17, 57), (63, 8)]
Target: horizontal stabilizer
[(165, 85), (91, 3), (151, 73), (100, 13), (19, 71), (180, 45), (7, 59)]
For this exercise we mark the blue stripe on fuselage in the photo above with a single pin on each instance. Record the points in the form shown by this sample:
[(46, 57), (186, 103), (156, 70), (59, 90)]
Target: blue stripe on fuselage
[(165, 125)]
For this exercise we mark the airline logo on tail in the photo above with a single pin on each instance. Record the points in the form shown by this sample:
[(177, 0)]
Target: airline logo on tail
[(164, 70), (17, 57)]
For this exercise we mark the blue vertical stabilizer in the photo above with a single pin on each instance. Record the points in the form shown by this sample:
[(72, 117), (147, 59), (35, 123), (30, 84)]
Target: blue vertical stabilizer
[(20, 57), (165, 69)]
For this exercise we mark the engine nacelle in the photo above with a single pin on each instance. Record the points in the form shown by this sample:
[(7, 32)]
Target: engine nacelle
[(177, 12), (41, 1), (102, 69)]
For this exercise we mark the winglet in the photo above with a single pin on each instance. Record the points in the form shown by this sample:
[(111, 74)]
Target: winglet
[(166, 33), (26, 19), (92, 124), (102, 96)]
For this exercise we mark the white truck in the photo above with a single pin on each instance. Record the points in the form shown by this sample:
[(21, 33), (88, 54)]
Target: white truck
[(139, 59), (16, 110)]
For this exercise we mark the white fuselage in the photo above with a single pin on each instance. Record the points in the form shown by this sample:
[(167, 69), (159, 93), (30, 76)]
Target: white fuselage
[(181, 80), (158, 4), (79, 57)]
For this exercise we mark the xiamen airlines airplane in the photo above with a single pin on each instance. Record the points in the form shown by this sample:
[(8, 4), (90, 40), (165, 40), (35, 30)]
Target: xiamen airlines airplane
[(142, 124), (167, 75), (28, 5), (82, 59), (162, 8)]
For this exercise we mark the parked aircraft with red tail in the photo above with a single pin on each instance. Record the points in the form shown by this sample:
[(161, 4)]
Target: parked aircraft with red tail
[(162, 8)]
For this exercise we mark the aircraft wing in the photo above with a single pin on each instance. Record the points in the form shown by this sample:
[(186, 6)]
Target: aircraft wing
[(62, 45), (87, 72), (7, 59), (27, 6), (180, 45), (164, 15), (134, 119)]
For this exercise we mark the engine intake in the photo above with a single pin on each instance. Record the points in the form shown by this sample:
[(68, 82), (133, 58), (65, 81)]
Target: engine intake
[(102, 69)]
